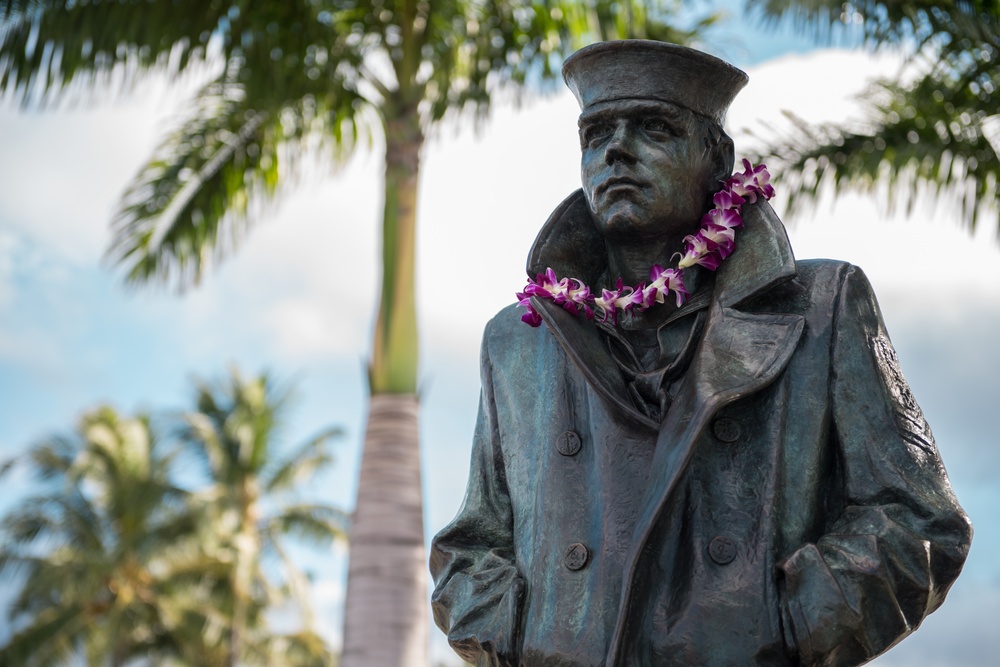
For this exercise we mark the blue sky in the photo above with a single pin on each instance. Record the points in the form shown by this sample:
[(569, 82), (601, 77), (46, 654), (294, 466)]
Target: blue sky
[(298, 298)]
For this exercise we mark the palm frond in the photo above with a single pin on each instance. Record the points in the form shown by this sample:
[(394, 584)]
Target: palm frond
[(54, 49), (52, 458), (225, 165), (193, 202), (305, 648), (464, 49), (316, 523), (886, 22), (90, 546), (297, 584), (302, 463), (50, 638), (928, 138)]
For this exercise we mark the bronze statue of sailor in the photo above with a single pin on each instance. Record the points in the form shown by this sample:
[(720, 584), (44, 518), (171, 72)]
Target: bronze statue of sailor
[(717, 463)]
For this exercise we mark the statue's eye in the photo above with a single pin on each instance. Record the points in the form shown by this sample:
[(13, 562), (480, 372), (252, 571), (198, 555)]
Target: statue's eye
[(595, 132), (655, 124)]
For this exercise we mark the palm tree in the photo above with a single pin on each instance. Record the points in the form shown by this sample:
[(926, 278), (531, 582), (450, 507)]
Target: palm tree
[(294, 75), (233, 430), (101, 554), (118, 562), (938, 133)]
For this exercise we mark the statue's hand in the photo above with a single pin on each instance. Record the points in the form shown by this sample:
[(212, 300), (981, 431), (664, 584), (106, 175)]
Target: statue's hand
[(492, 637), (505, 649)]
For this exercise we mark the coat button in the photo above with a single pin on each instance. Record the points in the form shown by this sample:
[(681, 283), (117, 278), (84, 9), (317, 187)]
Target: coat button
[(568, 443), (726, 429), (576, 556), (722, 549)]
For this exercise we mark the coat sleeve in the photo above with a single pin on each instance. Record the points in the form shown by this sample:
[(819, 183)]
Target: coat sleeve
[(899, 538), (478, 591)]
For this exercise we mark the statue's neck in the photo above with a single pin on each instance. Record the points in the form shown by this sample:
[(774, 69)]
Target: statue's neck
[(632, 262)]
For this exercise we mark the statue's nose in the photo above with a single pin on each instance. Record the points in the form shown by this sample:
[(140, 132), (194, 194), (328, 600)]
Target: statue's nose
[(620, 148)]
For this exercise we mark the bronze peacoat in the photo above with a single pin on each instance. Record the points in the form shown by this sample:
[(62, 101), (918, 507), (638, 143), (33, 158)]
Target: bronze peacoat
[(790, 509)]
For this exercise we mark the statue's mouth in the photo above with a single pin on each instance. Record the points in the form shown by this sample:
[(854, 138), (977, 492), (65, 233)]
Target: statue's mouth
[(623, 183)]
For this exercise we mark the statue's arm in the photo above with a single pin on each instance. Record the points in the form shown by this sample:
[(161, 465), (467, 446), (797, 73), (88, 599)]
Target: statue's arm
[(478, 591), (901, 537)]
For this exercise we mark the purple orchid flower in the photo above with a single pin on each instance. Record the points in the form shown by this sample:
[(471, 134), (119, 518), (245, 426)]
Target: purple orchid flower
[(726, 199), (570, 293), (578, 298), (606, 304), (629, 297), (699, 250), (728, 218), (753, 182), (621, 299), (531, 317), (661, 282)]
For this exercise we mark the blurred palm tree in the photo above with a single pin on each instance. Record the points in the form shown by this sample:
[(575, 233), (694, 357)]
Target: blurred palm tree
[(234, 432), (117, 562), (936, 131), (295, 75), (104, 555)]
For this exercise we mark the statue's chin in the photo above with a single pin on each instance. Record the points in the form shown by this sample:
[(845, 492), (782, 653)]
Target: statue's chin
[(627, 223), (623, 220)]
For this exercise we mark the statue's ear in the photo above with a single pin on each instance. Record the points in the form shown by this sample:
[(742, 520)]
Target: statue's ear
[(723, 158)]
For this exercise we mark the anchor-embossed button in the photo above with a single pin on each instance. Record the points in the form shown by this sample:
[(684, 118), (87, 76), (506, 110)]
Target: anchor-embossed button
[(576, 556), (568, 443), (722, 549), (726, 429)]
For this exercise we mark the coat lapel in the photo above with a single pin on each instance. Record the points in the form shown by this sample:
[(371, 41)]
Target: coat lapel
[(583, 344)]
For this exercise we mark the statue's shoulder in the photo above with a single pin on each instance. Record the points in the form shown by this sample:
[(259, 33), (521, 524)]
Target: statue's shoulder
[(507, 333), (507, 323), (816, 282), (820, 272), (829, 275)]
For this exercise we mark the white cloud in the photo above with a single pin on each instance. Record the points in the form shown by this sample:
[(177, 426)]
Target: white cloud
[(821, 86), (962, 633), (9, 247), (484, 198), (327, 597), (62, 171)]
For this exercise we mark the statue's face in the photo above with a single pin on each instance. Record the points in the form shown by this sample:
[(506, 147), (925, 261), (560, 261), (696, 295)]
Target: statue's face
[(646, 172)]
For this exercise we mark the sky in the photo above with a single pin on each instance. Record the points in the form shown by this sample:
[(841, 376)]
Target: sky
[(298, 298)]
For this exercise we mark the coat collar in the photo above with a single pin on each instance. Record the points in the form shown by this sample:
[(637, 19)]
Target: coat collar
[(570, 244)]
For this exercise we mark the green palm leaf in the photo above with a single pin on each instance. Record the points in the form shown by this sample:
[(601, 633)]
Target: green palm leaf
[(929, 136), (914, 145), (885, 22), (53, 49), (234, 432), (211, 178), (319, 524), (302, 463), (86, 553), (49, 639)]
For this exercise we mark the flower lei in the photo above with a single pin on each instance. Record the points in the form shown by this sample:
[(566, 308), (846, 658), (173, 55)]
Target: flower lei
[(713, 243)]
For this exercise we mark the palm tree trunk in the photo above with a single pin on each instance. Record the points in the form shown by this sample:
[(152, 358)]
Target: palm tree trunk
[(385, 613), (247, 550), (393, 367)]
